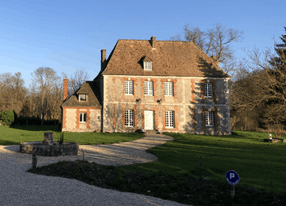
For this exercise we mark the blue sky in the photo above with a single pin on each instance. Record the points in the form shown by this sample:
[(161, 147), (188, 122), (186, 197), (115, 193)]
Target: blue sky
[(68, 35)]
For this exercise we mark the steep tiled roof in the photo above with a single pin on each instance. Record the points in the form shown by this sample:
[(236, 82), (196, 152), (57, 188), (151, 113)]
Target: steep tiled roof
[(170, 58), (88, 88)]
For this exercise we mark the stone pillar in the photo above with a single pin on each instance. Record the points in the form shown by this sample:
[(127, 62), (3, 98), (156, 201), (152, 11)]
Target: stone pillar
[(48, 138)]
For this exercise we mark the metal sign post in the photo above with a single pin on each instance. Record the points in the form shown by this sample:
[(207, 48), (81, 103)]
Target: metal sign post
[(200, 167), (232, 178)]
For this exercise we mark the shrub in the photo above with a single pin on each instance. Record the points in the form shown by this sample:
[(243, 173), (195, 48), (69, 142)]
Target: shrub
[(7, 117)]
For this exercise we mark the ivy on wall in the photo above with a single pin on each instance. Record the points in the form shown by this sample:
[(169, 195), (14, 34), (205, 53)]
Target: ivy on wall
[(213, 82), (194, 118), (203, 118), (202, 91), (214, 110)]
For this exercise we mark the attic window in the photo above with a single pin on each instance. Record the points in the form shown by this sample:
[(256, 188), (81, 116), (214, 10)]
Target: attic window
[(148, 66), (82, 97)]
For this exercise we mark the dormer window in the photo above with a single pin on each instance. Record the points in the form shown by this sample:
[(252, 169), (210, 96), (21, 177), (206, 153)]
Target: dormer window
[(82, 97), (147, 63), (148, 66)]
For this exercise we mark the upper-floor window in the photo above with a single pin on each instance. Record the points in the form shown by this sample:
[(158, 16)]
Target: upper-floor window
[(169, 117), (208, 89), (128, 87), (168, 88), (129, 118), (209, 119), (148, 88), (82, 97), (148, 66), (82, 117)]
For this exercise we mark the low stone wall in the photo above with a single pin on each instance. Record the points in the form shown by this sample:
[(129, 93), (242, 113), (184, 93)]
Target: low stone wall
[(68, 148)]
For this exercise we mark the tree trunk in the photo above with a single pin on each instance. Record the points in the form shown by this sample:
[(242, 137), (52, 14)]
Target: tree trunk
[(43, 118)]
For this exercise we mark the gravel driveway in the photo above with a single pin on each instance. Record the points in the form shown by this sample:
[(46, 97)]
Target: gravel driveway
[(18, 187)]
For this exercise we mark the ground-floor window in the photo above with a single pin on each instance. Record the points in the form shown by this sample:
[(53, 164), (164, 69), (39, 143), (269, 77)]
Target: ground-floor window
[(169, 115), (209, 119), (82, 117), (129, 118)]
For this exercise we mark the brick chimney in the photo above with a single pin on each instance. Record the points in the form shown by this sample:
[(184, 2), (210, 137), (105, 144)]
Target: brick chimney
[(153, 42), (216, 61), (65, 89), (103, 59)]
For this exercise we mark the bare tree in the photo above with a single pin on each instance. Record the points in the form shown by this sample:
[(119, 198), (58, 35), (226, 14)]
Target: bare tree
[(74, 83), (45, 77), (55, 99), (215, 42), (12, 91)]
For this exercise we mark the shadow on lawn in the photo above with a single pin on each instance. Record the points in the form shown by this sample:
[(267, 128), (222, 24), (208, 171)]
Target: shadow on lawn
[(54, 128)]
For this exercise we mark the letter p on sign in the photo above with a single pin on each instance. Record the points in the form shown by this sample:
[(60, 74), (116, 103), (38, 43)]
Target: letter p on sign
[(231, 175)]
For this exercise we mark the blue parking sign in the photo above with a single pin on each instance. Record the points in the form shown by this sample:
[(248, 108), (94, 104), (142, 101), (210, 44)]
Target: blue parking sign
[(232, 177)]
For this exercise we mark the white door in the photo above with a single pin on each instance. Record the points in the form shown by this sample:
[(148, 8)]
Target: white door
[(149, 120)]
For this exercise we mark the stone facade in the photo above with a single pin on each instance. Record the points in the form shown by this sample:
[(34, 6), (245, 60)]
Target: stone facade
[(71, 121), (182, 102)]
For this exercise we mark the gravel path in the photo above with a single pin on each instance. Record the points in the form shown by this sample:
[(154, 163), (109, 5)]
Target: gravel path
[(18, 187)]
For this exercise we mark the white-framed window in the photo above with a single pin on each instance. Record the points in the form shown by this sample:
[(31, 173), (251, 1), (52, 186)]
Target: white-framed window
[(168, 88), (82, 117), (129, 118), (82, 97), (148, 88), (148, 66), (169, 116), (128, 87), (209, 118), (208, 89)]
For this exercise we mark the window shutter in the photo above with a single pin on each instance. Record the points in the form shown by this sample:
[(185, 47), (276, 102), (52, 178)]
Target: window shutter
[(151, 88), (166, 88), (206, 89), (210, 90), (146, 88), (171, 88), (131, 87), (126, 87)]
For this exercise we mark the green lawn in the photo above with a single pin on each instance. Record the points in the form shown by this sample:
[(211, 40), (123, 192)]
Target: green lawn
[(257, 162), (16, 134)]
